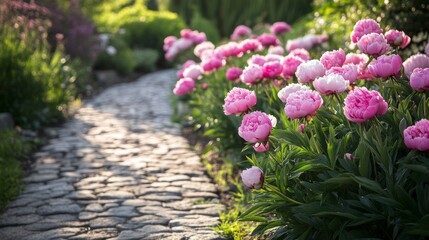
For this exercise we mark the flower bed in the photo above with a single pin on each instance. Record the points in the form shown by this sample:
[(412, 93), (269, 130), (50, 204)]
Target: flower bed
[(338, 142)]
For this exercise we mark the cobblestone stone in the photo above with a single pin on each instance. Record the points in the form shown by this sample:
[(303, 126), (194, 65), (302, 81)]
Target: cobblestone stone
[(118, 170)]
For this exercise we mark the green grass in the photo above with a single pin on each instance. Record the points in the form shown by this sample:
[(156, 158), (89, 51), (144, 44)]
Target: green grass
[(11, 150)]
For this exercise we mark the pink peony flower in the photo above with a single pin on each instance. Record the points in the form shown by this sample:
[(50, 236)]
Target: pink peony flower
[(277, 50), (171, 53), (228, 50), (273, 58), (268, 40), (302, 103), (301, 53), (240, 31), (261, 147), (284, 93), (199, 37), (360, 61), (194, 71), (364, 27), (257, 59), (397, 38), (386, 66), (233, 73), (348, 156), (200, 48), (305, 42), (272, 69), (348, 71), (255, 127), (182, 44), (238, 101), (308, 71), (188, 63), (290, 64), (184, 86), (334, 58), (280, 27), (250, 45), (362, 104), (417, 136), (168, 42), (251, 74), (415, 61), (212, 64), (373, 44), (204, 86), (253, 177), (331, 84), (186, 33), (419, 79)]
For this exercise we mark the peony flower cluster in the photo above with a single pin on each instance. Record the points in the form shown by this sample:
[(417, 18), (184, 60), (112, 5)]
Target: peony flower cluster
[(397, 38), (306, 42), (284, 93), (238, 101), (332, 59), (253, 177), (362, 104), (348, 71), (290, 65), (415, 61), (301, 53), (272, 69), (417, 136), (255, 127), (174, 46), (250, 45), (194, 71), (268, 40)]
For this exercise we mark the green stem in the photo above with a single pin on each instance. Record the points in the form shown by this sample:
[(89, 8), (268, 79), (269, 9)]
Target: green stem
[(424, 106)]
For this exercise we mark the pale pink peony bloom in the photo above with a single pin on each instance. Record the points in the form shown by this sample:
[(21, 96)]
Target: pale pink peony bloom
[(419, 79), (334, 58), (331, 84), (308, 71), (200, 48), (168, 42), (273, 120), (184, 86), (199, 37), (212, 64), (257, 59), (268, 40), (427, 49), (386, 66), (364, 27), (348, 71), (240, 31), (251, 74), (362, 104), (360, 61), (290, 65), (301, 128), (253, 177), (373, 44), (280, 27), (415, 61), (195, 36), (284, 93), (188, 63), (261, 147), (250, 45), (301, 53), (276, 50), (255, 127), (397, 38), (272, 69), (172, 52), (194, 71), (182, 44), (238, 101), (417, 136), (228, 50), (303, 103), (233, 73)]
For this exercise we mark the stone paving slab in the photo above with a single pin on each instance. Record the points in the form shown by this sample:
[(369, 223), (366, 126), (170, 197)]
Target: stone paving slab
[(118, 170)]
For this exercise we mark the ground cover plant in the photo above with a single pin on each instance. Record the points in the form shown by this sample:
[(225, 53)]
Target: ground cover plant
[(335, 141)]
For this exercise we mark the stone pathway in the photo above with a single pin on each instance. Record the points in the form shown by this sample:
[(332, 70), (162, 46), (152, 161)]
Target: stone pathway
[(118, 170)]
